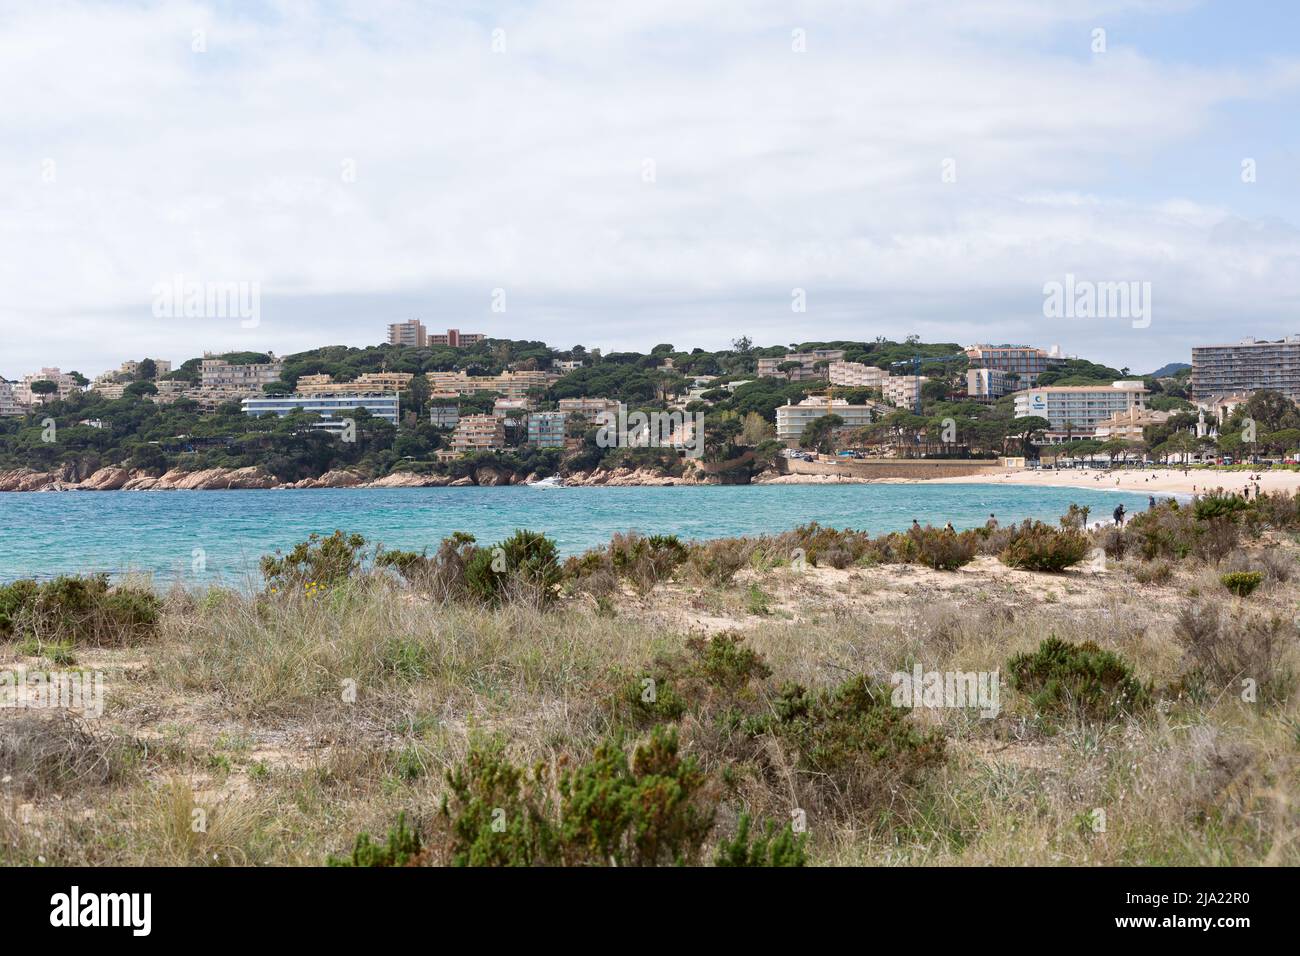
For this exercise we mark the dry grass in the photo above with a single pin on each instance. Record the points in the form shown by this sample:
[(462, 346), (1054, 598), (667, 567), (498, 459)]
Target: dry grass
[(287, 726)]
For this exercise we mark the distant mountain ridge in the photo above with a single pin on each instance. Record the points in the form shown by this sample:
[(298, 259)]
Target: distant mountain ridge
[(1173, 368)]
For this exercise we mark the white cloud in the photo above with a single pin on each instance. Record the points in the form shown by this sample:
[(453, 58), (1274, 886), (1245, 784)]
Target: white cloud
[(524, 170)]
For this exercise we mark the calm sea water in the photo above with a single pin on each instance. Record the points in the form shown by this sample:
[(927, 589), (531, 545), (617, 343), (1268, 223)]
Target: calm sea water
[(42, 535)]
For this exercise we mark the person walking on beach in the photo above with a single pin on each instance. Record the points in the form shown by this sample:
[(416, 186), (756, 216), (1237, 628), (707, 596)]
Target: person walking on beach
[(949, 528), (916, 525), (1151, 502), (1119, 516), (992, 523)]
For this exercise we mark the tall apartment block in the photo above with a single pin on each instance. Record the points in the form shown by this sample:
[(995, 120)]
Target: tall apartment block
[(1023, 361), (413, 333), (546, 429), (769, 367), (1247, 367)]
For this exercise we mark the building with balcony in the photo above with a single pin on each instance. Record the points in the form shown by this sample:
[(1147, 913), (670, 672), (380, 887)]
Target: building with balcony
[(333, 409), (902, 391), (1023, 363), (456, 339), (217, 373), (8, 402), (1128, 425), (64, 383), (546, 429), (410, 333), (444, 414), (1074, 411), (367, 383), (987, 384), (1245, 368), (589, 408), (807, 370), (791, 419), (478, 433), (856, 375)]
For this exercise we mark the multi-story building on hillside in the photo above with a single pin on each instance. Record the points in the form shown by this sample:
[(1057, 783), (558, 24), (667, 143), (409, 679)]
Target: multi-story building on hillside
[(410, 333), (546, 429), (8, 402), (792, 419), (902, 390), (219, 374), (589, 408), (1074, 411), (65, 386), (364, 384), (770, 367), (478, 433), (987, 384), (1024, 362), (333, 409), (1247, 367), (856, 375), (456, 339)]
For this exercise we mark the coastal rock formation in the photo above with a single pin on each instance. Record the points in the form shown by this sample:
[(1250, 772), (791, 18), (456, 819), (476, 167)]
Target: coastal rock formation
[(120, 478), (337, 479), (408, 479), (27, 479), (111, 478), (632, 477)]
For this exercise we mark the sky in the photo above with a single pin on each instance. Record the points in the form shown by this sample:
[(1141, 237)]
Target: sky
[(620, 174)]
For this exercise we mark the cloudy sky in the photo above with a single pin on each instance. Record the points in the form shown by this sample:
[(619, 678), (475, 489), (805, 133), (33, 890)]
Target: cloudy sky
[(620, 174)]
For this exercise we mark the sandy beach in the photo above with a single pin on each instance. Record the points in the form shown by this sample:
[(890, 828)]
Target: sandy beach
[(1166, 480)]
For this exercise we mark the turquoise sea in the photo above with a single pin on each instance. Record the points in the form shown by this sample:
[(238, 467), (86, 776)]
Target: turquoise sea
[(45, 534)]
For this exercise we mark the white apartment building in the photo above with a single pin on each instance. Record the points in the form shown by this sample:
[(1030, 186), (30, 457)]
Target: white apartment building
[(8, 402), (1074, 411), (856, 375), (902, 390), (24, 395), (332, 409), (987, 384), (791, 420)]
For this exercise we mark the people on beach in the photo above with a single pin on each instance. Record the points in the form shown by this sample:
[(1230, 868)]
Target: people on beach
[(1119, 515), (949, 528), (992, 523), (1151, 502)]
